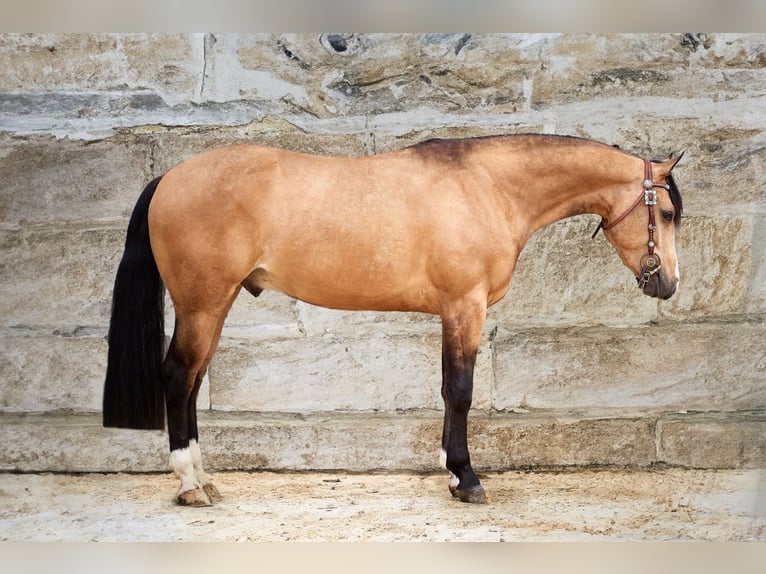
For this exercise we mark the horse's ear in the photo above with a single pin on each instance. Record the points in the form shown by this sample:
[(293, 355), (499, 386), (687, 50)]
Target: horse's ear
[(674, 158), (670, 162)]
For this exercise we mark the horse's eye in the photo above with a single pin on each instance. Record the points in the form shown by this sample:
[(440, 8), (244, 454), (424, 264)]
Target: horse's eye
[(667, 216)]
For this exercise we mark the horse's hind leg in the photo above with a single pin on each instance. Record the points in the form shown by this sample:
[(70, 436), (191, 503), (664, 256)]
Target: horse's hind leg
[(194, 341), (461, 333)]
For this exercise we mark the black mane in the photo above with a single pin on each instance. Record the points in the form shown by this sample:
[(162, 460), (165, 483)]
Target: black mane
[(675, 198)]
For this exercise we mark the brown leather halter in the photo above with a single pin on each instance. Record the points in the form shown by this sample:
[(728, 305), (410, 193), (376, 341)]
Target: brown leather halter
[(650, 261)]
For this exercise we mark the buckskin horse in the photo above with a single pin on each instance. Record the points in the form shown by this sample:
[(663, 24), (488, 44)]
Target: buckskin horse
[(436, 227)]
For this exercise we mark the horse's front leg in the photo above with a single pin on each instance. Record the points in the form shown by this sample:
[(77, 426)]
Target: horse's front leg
[(461, 333)]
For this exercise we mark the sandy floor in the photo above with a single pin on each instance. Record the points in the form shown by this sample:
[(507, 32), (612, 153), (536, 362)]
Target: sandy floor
[(668, 504)]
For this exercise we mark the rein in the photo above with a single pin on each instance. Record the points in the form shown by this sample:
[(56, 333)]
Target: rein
[(650, 261)]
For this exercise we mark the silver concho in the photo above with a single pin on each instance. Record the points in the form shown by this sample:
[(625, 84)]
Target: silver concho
[(650, 261)]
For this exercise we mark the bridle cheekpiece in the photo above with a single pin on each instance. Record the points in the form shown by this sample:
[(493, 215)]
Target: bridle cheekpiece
[(650, 261)]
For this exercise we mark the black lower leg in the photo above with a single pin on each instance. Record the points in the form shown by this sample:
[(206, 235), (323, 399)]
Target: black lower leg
[(458, 392), (445, 428), (192, 408), (458, 457), (177, 392)]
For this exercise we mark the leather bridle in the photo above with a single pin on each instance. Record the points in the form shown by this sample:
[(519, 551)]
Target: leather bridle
[(650, 262)]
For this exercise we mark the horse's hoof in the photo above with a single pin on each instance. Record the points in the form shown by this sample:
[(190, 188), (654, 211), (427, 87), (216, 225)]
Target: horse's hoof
[(473, 495), (195, 497), (212, 492)]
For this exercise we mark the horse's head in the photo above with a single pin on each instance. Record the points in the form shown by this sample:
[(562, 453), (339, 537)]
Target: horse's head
[(642, 229)]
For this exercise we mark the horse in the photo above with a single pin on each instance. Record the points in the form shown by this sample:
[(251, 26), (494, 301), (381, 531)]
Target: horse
[(436, 227)]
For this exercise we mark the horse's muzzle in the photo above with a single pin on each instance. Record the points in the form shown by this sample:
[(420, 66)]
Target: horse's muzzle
[(659, 285)]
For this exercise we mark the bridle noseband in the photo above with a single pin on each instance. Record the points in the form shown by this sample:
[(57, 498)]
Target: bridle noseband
[(650, 261)]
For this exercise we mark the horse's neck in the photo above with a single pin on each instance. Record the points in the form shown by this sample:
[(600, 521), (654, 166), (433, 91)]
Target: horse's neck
[(553, 185)]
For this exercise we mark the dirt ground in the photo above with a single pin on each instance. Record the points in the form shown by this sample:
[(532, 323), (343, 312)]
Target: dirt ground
[(669, 504)]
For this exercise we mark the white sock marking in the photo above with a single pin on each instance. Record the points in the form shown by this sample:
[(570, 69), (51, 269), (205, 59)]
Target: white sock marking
[(182, 463), (453, 480), (196, 455)]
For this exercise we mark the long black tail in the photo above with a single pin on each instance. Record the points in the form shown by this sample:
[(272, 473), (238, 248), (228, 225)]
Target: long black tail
[(133, 391)]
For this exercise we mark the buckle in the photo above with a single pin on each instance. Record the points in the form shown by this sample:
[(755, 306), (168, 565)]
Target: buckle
[(650, 197)]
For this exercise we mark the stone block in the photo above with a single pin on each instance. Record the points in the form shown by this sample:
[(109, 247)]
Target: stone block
[(704, 366), (363, 74), (51, 372), (49, 181), (327, 373), (550, 440), (576, 66), (58, 277), (728, 51), (708, 440), (717, 268), (356, 442), (170, 65), (756, 295), (412, 442), (78, 443), (375, 371), (584, 67), (722, 170)]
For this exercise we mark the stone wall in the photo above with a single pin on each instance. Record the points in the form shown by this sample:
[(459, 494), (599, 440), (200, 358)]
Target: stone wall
[(575, 367)]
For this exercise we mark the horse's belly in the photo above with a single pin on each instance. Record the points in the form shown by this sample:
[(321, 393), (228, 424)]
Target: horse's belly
[(339, 287)]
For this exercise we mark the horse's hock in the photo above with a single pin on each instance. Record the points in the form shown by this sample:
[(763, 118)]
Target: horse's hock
[(575, 368)]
